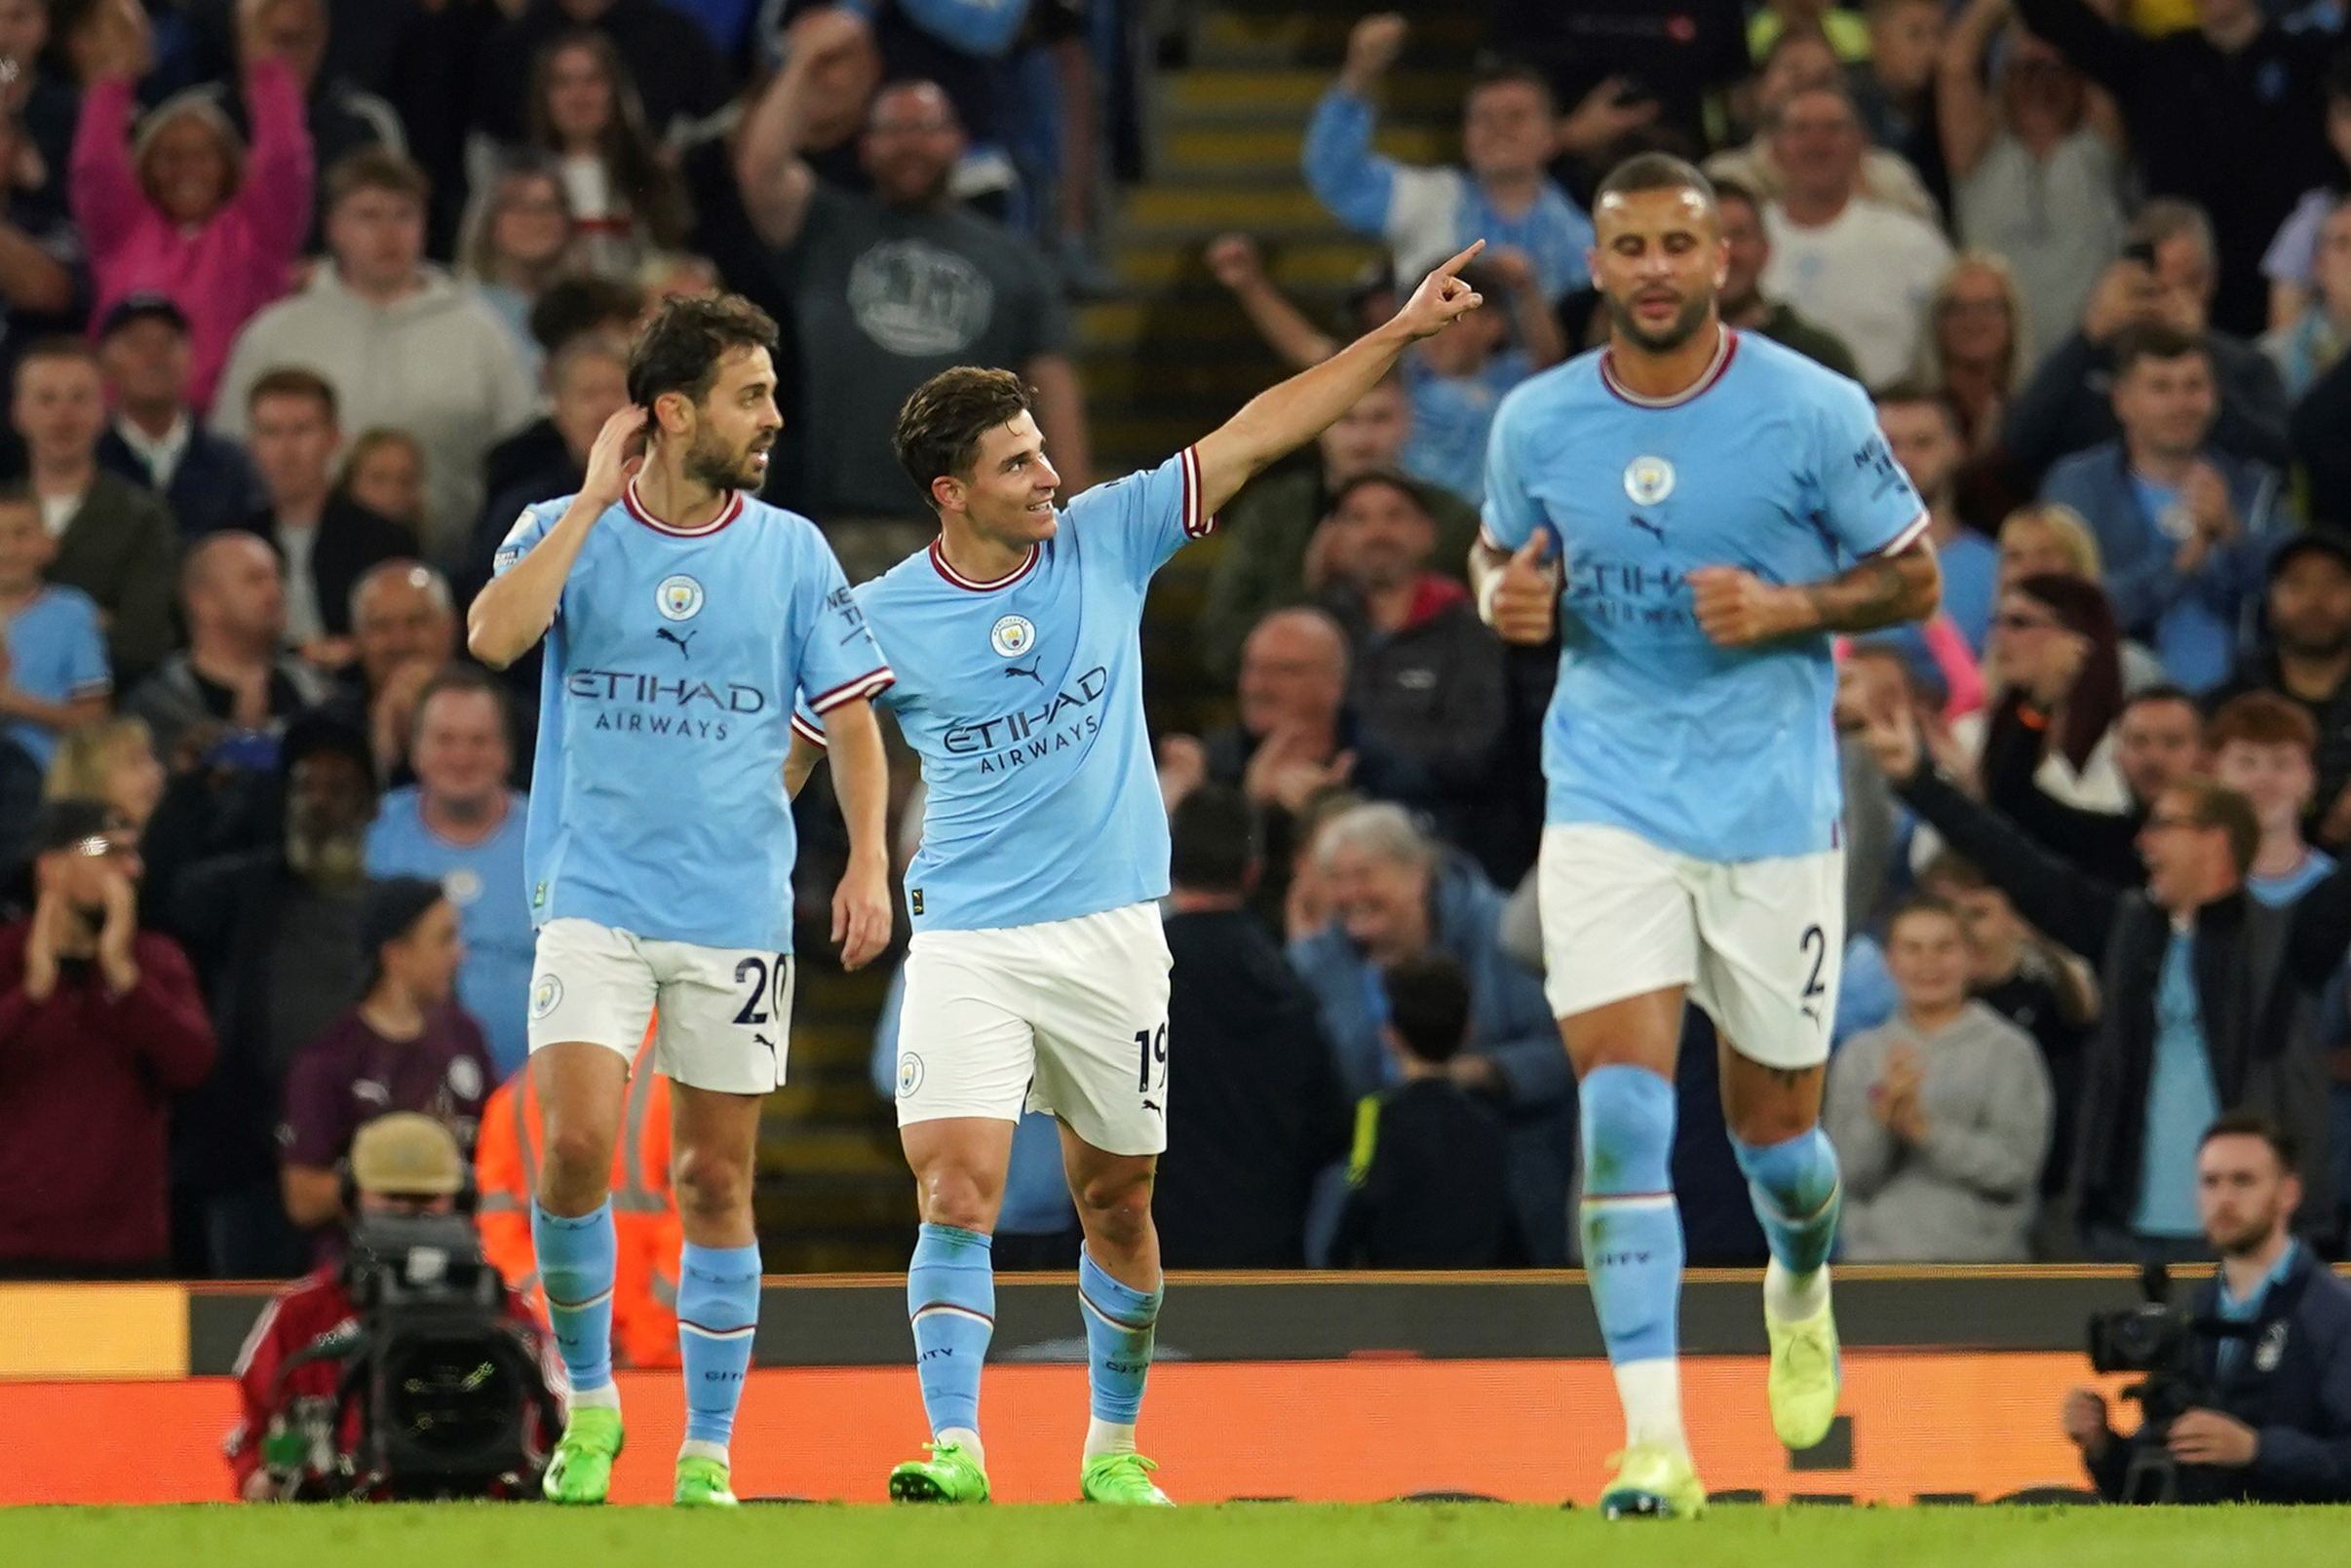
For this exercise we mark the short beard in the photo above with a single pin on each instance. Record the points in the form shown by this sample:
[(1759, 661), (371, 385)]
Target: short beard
[(333, 861), (1685, 328), (708, 462), (2333, 647)]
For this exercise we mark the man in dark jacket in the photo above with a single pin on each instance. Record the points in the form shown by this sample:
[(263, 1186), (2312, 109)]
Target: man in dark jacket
[(2273, 1420), (154, 438), (275, 935), (1425, 674), (1257, 1113), (2230, 114), (2209, 991), (328, 541)]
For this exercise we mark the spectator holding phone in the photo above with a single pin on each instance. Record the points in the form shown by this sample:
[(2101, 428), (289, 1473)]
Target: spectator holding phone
[(100, 1025)]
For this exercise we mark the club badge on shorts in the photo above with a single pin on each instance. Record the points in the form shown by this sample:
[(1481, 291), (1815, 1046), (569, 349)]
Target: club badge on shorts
[(679, 598), (1649, 480), (910, 1074), (1012, 637), (546, 996)]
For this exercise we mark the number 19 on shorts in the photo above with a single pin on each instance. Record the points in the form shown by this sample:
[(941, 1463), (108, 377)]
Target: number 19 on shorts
[(1151, 1067)]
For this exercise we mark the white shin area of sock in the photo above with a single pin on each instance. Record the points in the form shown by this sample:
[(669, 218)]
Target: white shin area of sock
[(1650, 1392), (1794, 1298), (695, 1449), (1107, 1437), (967, 1439)]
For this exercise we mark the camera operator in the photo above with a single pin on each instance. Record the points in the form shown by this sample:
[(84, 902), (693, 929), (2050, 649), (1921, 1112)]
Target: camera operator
[(294, 1423), (2267, 1379)]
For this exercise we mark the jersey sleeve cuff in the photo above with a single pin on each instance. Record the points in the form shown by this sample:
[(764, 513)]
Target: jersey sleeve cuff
[(1913, 531), (1196, 525), (102, 687), (868, 685), (1485, 537), (807, 731)]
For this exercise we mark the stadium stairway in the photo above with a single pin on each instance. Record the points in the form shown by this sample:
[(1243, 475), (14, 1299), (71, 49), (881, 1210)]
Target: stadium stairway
[(1163, 360)]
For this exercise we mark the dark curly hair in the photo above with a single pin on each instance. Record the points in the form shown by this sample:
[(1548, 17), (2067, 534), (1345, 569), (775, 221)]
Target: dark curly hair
[(939, 430), (680, 347)]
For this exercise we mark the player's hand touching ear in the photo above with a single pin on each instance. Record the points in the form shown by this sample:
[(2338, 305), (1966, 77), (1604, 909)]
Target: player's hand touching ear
[(618, 453), (1441, 298), (1525, 601), (863, 913)]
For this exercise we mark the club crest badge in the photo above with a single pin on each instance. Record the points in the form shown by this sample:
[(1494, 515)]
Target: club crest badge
[(1012, 637), (1649, 480), (679, 598)]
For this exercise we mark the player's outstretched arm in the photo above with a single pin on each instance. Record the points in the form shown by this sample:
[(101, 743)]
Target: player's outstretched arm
[(862, 910), (1280, 419), (1738, 609), (520, 603)]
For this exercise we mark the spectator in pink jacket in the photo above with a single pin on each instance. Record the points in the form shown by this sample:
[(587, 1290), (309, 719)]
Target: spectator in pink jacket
[(184, 210)]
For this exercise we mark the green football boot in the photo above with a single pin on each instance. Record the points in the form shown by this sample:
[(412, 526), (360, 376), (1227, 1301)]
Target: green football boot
[(703, 1484), (949, 1475), (1805, 1377), (581, 1470), (1653, 1483), (1124, 1479)]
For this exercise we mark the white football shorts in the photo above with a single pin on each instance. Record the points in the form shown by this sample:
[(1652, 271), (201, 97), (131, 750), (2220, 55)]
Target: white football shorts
[(725, 1012), (1759, 943), (1068, 1017)]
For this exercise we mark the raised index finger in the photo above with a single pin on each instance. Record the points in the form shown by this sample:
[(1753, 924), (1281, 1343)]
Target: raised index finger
[(1453, 267)]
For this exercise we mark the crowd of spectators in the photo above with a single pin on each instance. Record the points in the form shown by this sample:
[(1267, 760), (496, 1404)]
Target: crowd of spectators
[(2084, 253), (302, 300)]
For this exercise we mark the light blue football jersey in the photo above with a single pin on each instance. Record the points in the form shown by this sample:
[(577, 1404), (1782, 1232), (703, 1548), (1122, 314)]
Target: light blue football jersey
[(1024, 698), (657, 804), (1770, 463)]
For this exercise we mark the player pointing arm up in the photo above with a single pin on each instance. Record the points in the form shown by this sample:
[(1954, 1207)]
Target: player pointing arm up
[(1037, 975), (1283, 418)]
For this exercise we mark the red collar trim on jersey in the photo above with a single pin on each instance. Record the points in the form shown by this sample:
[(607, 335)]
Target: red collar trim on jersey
[(972, 585), (1724, 351), (726, 514)]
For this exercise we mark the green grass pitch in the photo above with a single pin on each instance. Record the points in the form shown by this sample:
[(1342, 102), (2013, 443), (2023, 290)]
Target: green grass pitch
[(1278, 1535)]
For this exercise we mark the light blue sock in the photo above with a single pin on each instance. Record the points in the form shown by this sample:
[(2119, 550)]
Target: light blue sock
[(717, 1318), (952, 1297), (577, 1257), (1632, 1228), (1795, 1190), (1632, 1246), (1120, 1322)]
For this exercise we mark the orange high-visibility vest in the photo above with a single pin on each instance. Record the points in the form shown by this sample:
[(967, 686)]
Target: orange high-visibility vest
[(644, 1208)]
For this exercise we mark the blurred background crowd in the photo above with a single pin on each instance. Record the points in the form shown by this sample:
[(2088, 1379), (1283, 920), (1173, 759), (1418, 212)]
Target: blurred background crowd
[(301, 301)]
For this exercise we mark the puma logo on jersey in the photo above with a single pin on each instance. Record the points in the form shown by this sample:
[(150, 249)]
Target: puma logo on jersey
[(1647, 526), (1030, 672), (668, 636)]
